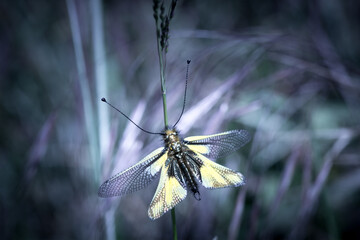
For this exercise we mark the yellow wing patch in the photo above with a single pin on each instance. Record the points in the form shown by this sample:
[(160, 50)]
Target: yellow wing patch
[(168, 193), (197, 138), (203, 149), (156, 166), (214, 175)]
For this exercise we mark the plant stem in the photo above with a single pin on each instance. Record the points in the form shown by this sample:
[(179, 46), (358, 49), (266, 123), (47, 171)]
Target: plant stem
[(162, 63), (173, 218), (163, 92), (162, 80), (89, 115), (101, 80)]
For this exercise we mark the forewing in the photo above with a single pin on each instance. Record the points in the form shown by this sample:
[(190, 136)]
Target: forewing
[(168, 193), (214, 175), (218, 145), (135, 177)]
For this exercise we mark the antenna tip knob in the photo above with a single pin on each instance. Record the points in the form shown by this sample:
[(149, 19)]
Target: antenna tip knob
[(188, 61), (103, 99)]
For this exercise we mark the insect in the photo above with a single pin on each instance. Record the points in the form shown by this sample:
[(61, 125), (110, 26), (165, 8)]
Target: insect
[(182, 165)]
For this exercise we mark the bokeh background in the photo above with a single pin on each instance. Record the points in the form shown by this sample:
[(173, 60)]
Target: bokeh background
[(285, 70)]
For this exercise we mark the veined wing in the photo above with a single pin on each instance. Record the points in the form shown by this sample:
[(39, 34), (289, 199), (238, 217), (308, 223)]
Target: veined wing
[(168, 193), (214, 175), (218, 145), (135, 177)]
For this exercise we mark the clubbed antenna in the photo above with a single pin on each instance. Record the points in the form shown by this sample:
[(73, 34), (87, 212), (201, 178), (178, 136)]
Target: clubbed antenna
[(186, 82), (104, 100)]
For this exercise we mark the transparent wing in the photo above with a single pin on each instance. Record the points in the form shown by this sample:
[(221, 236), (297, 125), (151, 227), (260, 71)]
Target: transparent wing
[(135, 177), (218, 145), (214, 175), (168, 193)]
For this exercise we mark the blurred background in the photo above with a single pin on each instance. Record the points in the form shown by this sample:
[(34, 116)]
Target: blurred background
[(285, 70)]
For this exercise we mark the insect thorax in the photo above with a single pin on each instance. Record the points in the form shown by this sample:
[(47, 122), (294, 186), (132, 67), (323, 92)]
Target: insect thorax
[(179, 167), (172, 141)]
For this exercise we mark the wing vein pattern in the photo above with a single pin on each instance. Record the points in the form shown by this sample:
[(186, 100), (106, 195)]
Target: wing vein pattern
[(168, 193), (218, 145), (135, 177)]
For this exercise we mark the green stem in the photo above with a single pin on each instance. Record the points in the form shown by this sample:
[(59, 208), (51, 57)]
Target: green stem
[(163, 92), (173, 218), (162, 80), (164, 107)]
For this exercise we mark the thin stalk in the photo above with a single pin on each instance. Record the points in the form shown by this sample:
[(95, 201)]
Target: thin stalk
[(101, 81), (110, 224), (162, 49), (89, 115), (100, 78), (162, 80), (173, 218), (163, 91)]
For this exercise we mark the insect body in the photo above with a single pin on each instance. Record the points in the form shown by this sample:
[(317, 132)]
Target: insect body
[(182, 164)]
